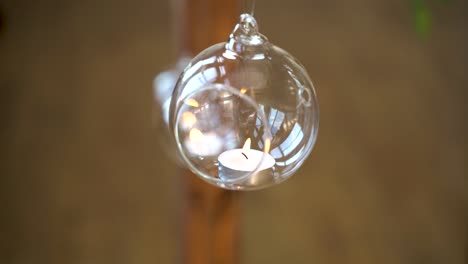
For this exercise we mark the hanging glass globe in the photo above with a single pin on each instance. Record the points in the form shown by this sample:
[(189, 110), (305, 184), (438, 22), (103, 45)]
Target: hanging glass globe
[(244, 113)]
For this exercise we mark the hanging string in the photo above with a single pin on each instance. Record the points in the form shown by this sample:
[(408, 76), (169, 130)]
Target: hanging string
[(252, 9), (249, 6)]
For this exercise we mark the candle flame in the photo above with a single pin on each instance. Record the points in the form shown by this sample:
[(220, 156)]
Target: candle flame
[(192, 102), (246, 146), (267, 145), (188, 119), (196, 135), (243, 90)]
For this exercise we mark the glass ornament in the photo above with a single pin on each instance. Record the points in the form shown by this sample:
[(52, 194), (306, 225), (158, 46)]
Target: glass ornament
[(246, 90)]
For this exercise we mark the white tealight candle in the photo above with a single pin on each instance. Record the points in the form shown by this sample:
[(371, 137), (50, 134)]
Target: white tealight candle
[(236, 163)]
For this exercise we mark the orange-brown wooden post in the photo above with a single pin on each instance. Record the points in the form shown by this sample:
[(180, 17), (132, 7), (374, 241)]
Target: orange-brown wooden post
[(210, 215)]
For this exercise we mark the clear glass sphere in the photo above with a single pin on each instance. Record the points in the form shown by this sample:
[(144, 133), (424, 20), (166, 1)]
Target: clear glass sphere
[(252, 91)]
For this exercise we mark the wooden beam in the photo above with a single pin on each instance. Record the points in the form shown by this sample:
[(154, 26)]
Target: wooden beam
[(209, 215)]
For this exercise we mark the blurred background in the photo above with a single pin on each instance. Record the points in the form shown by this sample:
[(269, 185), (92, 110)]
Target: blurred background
[(84, 179)]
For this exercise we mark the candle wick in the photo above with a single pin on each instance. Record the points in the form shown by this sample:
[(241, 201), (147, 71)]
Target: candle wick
[(245, 155)]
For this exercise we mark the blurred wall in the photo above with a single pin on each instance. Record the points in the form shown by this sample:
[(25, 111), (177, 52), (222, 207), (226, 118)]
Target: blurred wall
[(83, 179)]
